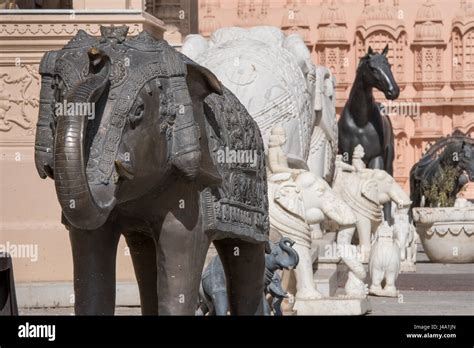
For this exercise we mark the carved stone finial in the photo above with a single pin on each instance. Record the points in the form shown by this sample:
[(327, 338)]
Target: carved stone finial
[(359, 152), (116, 34)]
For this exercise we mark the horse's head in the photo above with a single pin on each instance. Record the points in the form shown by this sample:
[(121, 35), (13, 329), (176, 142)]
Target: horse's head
[(376, 72)]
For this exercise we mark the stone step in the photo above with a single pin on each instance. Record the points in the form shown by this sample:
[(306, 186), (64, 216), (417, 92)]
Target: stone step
[(61, 294), (326, 281), (325, 250), (332, 306)]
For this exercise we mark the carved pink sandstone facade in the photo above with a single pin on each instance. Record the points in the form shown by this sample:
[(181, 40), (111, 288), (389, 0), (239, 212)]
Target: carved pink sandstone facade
[(431, 50)]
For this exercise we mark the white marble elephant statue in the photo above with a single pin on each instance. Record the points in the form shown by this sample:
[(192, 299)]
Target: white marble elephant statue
[(274, 78), (366, 191), (294, 204)]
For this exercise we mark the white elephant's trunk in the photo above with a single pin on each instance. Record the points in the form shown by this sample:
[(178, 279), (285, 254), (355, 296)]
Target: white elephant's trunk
[(348, 252)]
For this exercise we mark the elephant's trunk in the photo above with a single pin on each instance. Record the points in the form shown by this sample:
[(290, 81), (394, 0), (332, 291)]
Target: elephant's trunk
[(74, 193), (338, 211), (403, 253), (399, 196), (293, 259)]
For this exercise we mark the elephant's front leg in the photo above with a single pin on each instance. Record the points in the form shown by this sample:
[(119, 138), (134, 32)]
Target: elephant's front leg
[(142, 251), (181, 252), (378, 163), (305, 288), (94, 255), (364, 231), (244, 265)]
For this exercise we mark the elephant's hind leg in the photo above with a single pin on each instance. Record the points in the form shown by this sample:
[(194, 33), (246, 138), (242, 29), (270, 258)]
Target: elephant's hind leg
[(143, 253), (244, 265), (94, 255)]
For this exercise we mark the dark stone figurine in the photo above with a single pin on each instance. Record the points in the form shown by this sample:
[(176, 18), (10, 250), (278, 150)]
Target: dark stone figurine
[(8, 304), (146, 164), (213, 292), (363, 120), (455, 151)]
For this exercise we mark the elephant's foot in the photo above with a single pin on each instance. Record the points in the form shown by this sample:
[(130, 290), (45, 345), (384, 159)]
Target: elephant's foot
[(308, 294), (388, 291), (355, 287), (375, 289)]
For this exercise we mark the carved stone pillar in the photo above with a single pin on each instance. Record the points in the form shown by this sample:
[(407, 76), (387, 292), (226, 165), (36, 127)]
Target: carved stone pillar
[(332, 46), (462, 37), (428, 48)]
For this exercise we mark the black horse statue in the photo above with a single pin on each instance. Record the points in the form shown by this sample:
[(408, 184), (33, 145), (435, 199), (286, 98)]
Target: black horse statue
[(363, 120), (455, 151)]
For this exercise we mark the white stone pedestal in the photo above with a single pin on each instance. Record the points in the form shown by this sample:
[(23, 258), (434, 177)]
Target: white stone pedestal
[(406, 267), (332, 306)]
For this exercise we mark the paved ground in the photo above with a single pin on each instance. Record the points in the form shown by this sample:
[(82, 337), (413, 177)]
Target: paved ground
[(435, 289)]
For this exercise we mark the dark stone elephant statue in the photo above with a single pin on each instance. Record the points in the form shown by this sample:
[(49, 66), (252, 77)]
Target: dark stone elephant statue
[(133, 132), (213, 292)]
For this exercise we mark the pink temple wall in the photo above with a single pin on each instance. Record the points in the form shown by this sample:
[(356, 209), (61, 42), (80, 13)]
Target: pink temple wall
[(431, 49)]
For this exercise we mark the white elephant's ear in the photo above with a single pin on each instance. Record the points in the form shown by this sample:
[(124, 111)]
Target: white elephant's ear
[(289, 197), (370, 190)]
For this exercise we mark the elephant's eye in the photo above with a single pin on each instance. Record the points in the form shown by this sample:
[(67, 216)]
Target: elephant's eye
[(318, 188), (136, 117)]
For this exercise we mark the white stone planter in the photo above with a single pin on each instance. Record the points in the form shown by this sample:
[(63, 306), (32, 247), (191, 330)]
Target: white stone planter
[(447, 234)]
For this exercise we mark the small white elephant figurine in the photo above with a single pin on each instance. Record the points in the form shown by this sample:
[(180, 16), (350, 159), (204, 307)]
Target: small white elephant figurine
[(293, 206), (406, 236), (384, 262)]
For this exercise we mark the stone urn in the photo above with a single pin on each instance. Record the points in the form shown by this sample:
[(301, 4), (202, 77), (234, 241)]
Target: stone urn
[(447, 234)]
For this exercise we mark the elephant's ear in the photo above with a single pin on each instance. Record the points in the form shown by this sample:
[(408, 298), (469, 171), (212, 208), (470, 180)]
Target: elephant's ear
[(370, 191), (202, 81), (289, 197)]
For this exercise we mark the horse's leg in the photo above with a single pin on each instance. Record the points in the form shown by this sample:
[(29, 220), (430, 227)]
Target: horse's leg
[(378, 163), (142, 251)]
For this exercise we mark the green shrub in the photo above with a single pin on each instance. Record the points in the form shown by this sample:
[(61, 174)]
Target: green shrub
[(439, 192)]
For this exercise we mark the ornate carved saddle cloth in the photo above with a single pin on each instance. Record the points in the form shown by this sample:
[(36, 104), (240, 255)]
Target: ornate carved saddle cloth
[(239, 207)]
